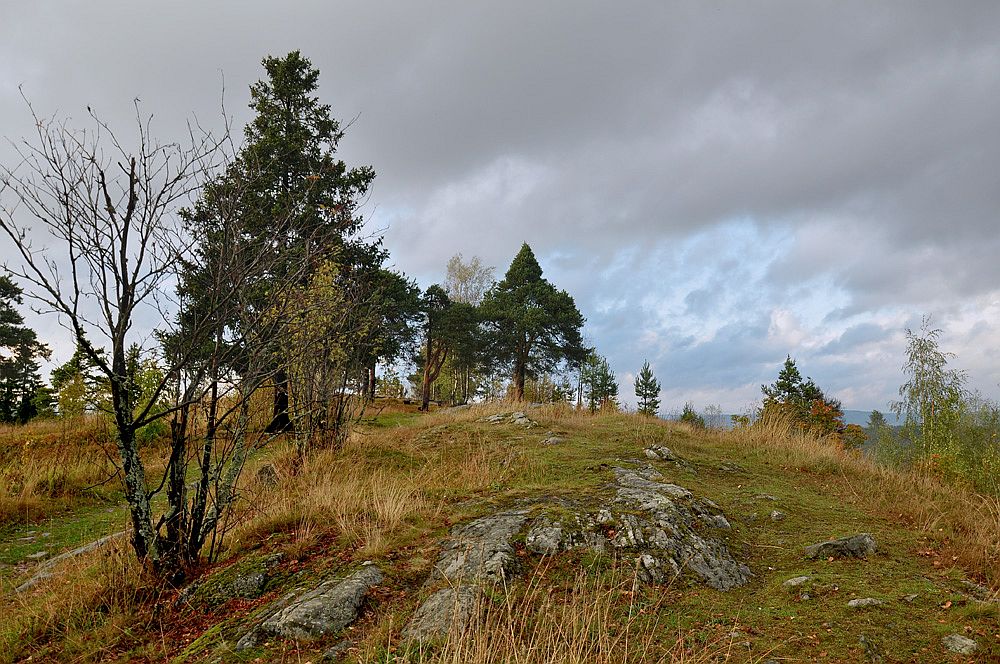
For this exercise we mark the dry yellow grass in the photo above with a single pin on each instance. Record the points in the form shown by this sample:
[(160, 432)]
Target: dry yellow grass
[(368, 490), (598, 619), (47, 463), (84, 607)]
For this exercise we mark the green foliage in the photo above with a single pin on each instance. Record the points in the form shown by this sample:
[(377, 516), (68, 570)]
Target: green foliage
[(804, 400), (600, 387), (79, 388), (690, 416), (932, 399), (532, 325), (647, 391), (19, 361)]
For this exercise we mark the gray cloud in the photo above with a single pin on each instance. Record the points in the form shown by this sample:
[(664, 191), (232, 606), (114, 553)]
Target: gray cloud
[(692, 173)]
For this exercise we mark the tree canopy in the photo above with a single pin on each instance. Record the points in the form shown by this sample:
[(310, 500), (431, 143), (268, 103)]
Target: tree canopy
[(532, 325)]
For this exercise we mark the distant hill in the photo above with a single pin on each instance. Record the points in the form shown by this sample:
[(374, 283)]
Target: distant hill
[(860, 417)]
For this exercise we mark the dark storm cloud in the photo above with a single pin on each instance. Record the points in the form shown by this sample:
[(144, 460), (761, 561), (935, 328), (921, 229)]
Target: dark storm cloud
[(861, 136)]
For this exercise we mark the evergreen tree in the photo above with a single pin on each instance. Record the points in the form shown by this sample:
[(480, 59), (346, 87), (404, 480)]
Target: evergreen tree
[(600, 387), (647, 390), (19, 366), (803, 400), (690, 416), (297, 202), (532, 325), (77, 385)]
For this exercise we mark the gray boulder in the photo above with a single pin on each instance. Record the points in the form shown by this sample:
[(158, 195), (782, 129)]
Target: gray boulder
[(855, 546), (481, 549), (447, 611), (326, 609), (959, 644)]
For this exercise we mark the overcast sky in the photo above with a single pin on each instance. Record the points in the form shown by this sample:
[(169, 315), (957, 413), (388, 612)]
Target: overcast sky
[(717, 184)]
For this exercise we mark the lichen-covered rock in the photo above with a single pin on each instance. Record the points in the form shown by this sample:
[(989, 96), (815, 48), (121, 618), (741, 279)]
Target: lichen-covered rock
[(855, 546), (245, 579), (959, 644), (660, 525), (446, 611), (480, 549), (663, 453), (517, 418), (660, 453), (326, 609)]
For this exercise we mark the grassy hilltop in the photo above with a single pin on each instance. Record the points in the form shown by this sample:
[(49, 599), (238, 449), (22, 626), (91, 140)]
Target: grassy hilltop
[(404, 480)]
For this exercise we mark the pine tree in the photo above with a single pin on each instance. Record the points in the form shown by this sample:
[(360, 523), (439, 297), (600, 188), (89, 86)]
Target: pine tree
[(600, 387), (690, 416), (533, 326), (647, 391), (803, 400), (19, 366), (297, 202)]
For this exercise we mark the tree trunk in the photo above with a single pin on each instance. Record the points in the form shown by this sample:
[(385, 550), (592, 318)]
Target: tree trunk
[(280, 421), (519, 370), (425, 387), (140, 511), (371, 381)]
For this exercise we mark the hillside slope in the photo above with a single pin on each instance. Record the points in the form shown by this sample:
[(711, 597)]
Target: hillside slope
[(559, 537)]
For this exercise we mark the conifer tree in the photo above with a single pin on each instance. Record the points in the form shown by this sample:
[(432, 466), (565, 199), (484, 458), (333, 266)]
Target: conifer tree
[(297, 202), (647, 391), (533, 326), (19, 379), (600, 387)]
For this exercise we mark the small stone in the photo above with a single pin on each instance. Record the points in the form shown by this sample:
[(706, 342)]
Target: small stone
[(864, 602), (796, 581), (38, 555), (909, 598), (777, 515), (855, 546), (805, 597), (959, 644)]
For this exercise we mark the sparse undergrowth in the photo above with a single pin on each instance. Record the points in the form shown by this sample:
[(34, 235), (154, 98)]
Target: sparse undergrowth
[(396, 488)]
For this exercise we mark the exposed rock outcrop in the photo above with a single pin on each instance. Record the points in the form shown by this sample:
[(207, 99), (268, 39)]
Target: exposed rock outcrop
[(326, 609), (446, 611), (481, 549)]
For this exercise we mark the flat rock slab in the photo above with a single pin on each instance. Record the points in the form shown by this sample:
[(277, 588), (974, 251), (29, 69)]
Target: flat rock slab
[(444, 612), (855, 546), (324, 610), (959, 644), (481, 549)]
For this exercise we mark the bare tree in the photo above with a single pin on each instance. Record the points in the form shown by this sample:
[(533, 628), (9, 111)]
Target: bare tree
[(98, 231)]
